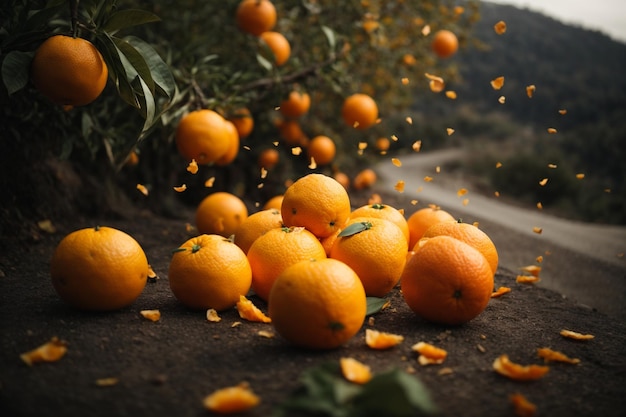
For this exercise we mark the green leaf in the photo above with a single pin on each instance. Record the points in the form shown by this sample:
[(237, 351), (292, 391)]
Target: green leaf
[(160, 71), (44, 16), (264, 62), (117, 71), (134, 64), (128, 18), (374, 305), (15, 70), (330, 36), (355, 228), (148, 110)]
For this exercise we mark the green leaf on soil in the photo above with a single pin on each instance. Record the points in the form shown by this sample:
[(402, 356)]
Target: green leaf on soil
[(355, 228), (374, 305)]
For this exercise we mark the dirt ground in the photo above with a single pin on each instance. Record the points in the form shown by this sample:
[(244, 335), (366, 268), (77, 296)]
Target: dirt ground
[(166, 368)]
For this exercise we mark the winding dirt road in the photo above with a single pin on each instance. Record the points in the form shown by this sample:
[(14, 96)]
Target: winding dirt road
[(582, 261)]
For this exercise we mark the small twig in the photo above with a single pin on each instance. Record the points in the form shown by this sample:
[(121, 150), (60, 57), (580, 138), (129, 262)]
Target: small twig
[(74, 16)]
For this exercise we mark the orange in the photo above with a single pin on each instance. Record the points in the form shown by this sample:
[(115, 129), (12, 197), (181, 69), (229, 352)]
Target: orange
[(342, 178), (291, 131), (322, 149), (277, 249), (382, 144), (268, 158), (220, 213), (255, 16), (278, 44), (295, 105), (203, 135), (359, 111), (317, 304), (209, 271), (328, 241), (99, 268), (424, 218), (256, 225), (377, 253), (445, 43), (364, 179), (69, 71), (469, 234), (243, 121), (317, 202), (384, 211), (233, 147), (447, 281), (274, 202)]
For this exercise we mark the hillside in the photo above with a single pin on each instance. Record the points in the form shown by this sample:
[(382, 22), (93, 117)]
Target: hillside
[(574, 69)]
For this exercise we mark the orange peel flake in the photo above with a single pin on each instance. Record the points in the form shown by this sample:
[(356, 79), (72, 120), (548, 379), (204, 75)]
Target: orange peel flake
[(193, 167), (570, 334), (396, 162), (521, 405), (503, 365), (500, 292), (530, 90), (248, 311), (381, 340), (500, 27), (51, 351), (497, 83), (355, 371), (231, 400), (526, 279), (429, 354), (212, 316), (152, 315), (533, 270), (549, 355), (142, 189)]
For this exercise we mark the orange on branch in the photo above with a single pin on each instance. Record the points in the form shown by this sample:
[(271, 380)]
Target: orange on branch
[(295, 105), (278, 44), (256, 16)]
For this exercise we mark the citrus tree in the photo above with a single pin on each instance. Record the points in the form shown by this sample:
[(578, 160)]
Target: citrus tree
[(167, 59)]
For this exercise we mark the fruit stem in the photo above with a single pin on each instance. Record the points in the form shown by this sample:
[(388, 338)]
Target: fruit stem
[(195, 248), (74, 16)]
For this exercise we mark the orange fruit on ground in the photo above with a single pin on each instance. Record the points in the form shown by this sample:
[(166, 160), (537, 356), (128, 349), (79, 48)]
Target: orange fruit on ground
[(377, 252), (317, 202), (291, 131), (256, 225), (69, 71), (422, 219), (445, 43), (233, 147), (209, 271), (295, 105), (364, 179), (268, 158), (277, 249), (322, 149), (317, 304), (359, 111), (274, 203), (342, 178), (328, 241), (384, 211), (255, 16), (243, 121), (203, 135), (447, 281), (220, 213), (99, 268), (278, 44), (469, 234), (382, 144)]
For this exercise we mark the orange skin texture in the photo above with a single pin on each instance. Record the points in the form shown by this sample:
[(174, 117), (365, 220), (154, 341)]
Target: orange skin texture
[(422, 219), (322, 149), (268, 158), (469, 234), (278, 249), (364, 179), (447, 281), (69, 71), (243, 121), (377, 254), (384, 211), (317, 304), (445, 43), (203, 135), (99, 270), (317, 202), (255, 16), (256, 225), (211, 272), (360, 111), (274, 203), (220, 213), (295, 105), (279, 45), (233, 147)]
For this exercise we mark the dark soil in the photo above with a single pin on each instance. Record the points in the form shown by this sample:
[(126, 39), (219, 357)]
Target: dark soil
[(166, 368)]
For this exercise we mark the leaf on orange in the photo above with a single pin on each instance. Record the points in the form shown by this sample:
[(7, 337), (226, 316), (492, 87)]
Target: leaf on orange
[(231, 400), (505, 367), (500, 292), (570, 334), (429, 354), (549, 355), (381, 340), (355, 371), (248, 311), (51, 351), (522, 407)]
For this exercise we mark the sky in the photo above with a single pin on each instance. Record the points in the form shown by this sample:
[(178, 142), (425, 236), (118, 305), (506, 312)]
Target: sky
[(607, 16)]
